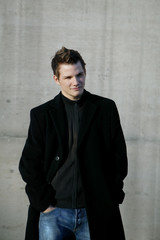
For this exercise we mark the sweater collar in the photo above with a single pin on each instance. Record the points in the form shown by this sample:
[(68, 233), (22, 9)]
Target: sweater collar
[(69, 101)]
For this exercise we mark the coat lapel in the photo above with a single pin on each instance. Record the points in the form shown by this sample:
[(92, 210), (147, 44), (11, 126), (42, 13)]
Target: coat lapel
[(87, 116), (59, 119)]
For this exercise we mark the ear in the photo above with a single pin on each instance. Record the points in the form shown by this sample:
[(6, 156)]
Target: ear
[(56, 79)]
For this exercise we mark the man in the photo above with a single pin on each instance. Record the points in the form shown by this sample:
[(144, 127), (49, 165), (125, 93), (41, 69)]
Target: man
[(74, 161)]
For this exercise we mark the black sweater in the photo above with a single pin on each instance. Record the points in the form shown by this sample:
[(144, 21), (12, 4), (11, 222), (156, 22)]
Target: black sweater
[(67, 182)]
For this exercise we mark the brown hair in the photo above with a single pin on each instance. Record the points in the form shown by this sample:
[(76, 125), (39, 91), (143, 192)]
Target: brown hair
[(68, 56)]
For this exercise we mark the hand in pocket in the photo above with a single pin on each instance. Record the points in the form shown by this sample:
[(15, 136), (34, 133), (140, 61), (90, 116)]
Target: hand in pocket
[(49, 209)]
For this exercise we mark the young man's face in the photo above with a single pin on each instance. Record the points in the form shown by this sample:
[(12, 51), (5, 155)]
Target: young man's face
[(71, 80)]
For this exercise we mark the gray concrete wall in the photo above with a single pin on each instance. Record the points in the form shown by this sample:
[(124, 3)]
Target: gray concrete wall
[(120, 41)]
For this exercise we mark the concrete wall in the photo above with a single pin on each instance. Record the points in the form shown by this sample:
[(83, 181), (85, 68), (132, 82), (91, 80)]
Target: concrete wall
[(120, 41)]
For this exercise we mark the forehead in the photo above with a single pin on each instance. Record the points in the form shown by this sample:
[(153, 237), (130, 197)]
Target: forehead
[(65, 68)]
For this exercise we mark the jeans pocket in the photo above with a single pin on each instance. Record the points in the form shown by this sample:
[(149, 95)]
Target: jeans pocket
[(49, 212)]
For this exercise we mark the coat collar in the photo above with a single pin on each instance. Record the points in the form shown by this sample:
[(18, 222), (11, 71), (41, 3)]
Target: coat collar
[(59, 118), (87, 117), (57, 113)]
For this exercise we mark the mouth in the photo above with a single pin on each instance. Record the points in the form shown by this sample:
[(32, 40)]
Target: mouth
[(76, 88)]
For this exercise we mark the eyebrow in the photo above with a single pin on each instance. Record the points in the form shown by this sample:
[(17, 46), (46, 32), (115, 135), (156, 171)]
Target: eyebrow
[(68, 76)]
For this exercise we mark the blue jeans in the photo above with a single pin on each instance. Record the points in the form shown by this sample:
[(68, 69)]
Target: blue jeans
[(64, 223)]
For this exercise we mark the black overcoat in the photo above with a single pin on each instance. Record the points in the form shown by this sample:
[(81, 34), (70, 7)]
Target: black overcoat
[(102, 161)]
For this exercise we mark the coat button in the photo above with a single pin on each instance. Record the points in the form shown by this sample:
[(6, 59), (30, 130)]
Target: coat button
[(57, 158)]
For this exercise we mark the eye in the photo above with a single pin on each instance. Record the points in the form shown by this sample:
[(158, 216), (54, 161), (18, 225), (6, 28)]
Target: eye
[(80, 74), (68, 77)]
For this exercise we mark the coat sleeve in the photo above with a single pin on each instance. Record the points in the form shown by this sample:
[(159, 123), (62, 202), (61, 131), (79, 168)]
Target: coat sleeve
[(39, 192), (119, 154)]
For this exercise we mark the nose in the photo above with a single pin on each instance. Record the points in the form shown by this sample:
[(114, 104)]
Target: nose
[(75, 80)]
